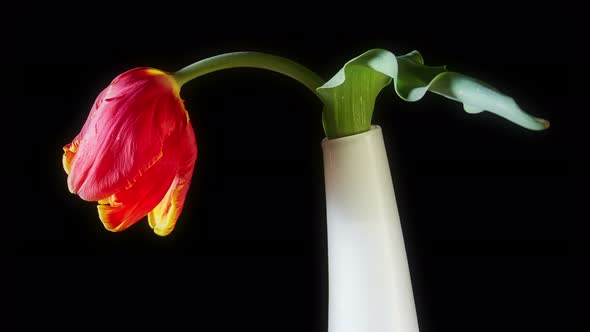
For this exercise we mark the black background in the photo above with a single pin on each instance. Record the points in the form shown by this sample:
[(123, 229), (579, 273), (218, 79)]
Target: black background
[(478, 196)]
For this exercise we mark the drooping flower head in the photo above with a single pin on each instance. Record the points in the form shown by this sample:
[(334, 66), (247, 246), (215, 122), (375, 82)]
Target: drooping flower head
[(136, 153)]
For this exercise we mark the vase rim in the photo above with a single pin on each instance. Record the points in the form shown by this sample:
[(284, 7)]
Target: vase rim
[(373, 129)]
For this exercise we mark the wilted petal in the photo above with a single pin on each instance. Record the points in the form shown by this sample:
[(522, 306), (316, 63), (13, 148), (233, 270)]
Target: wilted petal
[(163, 217)]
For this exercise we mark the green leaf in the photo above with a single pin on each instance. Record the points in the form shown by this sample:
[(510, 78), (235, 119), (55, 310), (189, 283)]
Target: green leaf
[(349, 97)]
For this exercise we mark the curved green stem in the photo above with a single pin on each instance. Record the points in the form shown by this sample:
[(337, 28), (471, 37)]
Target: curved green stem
[(253, 60)]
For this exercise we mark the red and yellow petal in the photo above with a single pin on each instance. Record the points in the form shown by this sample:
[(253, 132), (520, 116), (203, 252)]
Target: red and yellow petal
[(69, 154), (163, 217), (128, 206)]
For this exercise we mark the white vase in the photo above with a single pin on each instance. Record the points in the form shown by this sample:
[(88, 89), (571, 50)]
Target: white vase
[(370, 288)]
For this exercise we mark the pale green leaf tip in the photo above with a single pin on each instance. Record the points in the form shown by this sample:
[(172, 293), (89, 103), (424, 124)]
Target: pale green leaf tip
[(544, 124)]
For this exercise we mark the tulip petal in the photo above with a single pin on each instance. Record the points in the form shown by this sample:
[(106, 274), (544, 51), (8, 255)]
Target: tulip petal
[(162, 218), (69, 154), (129, 205), (124, 133)]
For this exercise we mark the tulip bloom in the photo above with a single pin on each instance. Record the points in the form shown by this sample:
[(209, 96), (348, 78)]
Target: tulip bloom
[(136, 153)]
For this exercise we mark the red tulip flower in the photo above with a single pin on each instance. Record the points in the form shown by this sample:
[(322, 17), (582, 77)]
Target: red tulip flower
[(136, 152)]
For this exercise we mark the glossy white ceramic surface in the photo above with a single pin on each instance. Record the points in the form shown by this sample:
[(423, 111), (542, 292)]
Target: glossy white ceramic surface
[(369, 280)]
